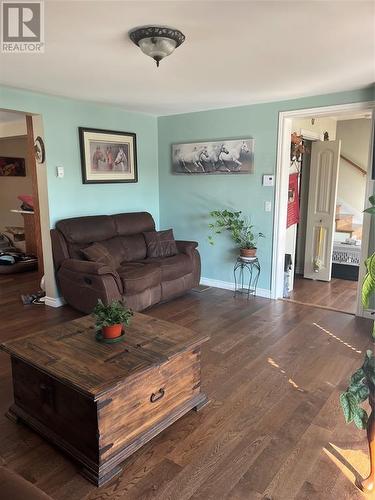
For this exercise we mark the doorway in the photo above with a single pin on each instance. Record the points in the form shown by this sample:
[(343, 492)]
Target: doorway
[(21, 253), (323, 257)]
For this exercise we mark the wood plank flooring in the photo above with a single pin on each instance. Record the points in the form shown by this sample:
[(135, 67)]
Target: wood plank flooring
[(336, 294), (273, 430)]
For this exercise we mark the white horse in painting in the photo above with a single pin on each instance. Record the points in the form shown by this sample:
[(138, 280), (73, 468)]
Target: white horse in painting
[(121, 161), (196, 157), (215, 152), (234, 153)]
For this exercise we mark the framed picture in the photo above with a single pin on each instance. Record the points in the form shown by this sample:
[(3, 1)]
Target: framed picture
[(219, 157), (12, 167), (108, 156)]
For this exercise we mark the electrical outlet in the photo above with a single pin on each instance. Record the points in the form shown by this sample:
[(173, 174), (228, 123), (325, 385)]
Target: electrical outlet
[(267, 206)]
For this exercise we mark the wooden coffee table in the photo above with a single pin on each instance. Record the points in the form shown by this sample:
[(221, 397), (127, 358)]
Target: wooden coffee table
[(101, 402)]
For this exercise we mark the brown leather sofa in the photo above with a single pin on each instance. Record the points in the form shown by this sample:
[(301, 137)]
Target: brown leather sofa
[(141, 281)]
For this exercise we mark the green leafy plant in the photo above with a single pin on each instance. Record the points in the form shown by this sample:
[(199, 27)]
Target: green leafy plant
[(362, 382), (368, 286), (114, 313), (241, 231)]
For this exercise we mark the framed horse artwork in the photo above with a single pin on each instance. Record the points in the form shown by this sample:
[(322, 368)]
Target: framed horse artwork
[(108, 156), (219, 157)]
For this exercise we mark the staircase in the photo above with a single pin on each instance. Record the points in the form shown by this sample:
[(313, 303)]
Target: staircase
[(344, 224)]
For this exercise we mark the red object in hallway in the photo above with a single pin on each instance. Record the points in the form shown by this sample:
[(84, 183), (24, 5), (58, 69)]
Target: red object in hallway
[(293, 201), (27, 199)]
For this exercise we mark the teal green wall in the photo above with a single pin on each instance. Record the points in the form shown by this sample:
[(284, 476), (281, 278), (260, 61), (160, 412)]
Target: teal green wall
[(68, 197), (181, 202), (185, 200)]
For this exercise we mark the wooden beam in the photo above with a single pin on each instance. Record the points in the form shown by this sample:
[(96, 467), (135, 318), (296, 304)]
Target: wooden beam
[(32, 166), (355, 165)]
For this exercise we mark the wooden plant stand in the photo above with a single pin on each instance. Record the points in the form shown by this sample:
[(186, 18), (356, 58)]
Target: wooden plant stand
[(368, 485)]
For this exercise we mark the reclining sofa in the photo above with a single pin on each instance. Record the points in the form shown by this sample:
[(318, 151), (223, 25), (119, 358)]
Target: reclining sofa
[(139, 280)]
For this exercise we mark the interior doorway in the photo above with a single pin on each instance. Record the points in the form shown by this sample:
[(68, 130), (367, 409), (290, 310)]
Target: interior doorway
[(21, 251), (324, 180)]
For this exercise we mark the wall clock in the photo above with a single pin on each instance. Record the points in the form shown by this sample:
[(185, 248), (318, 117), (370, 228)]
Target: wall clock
[(40, 153)]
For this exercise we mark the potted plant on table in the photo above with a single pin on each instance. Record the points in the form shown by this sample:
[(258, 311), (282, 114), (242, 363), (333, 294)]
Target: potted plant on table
[(241, 231), (110, 318), (362, 382)]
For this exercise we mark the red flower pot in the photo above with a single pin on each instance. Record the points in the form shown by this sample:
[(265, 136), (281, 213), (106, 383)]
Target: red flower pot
[(248, 252), (112, 332)]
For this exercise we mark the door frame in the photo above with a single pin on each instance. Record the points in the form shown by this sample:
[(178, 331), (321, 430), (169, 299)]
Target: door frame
[(281, 189), (35, 192), (35, 127)]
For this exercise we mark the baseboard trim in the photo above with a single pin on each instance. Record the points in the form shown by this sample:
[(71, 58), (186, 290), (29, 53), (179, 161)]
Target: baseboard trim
[(228, 285), (54, 301)]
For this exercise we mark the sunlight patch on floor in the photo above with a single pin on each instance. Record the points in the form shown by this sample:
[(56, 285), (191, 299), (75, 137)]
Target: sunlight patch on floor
[(354, 464), (337, 338), (273, 363)]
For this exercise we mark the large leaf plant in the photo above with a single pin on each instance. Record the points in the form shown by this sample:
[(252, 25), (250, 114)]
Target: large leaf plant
[(240, 229), (362, 382)]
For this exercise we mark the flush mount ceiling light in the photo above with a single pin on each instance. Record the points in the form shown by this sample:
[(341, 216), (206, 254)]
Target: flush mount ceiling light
[(157, 41)]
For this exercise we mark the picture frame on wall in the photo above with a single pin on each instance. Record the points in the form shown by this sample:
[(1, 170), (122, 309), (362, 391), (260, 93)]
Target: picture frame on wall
[(12, 167), (229, 156), (108, 156)]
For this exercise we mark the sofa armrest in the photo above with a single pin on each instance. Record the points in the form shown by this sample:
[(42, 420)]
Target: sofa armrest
[(186, 247), (86, 266), (93, 268)]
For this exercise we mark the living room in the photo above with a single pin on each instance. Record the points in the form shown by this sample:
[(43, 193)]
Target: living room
[(194, 143)]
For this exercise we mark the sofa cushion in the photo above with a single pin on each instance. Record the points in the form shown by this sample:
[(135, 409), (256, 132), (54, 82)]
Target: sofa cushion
[(97, 252), (81, 230), (134, 247), (172, 267), (160, 243), (116, 249), (137, 277), (133, 223)]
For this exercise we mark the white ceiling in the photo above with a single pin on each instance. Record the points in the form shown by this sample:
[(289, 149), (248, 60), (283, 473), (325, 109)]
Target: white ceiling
[(235, 52)]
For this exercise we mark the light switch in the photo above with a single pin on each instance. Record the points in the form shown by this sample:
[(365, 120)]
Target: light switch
[(268, 180), (60, 172), (267, 206)]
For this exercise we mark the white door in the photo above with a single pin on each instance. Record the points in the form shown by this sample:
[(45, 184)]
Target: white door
[(320, 227)]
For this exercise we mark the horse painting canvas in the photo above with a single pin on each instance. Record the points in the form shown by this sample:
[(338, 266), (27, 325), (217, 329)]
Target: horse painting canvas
[(219, 157), (108, 156)]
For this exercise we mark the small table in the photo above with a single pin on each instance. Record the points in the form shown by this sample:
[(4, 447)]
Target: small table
[(252, 268), (101, 402)]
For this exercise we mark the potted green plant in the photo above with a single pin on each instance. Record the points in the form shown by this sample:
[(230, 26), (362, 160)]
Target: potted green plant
[(362, 382), (241, 231), (110, 318)]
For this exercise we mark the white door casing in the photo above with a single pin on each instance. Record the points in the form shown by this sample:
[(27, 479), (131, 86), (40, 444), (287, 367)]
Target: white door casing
[(320, 228)]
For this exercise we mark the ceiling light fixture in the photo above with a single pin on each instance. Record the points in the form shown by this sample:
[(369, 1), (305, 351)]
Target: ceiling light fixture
[(157, 41)]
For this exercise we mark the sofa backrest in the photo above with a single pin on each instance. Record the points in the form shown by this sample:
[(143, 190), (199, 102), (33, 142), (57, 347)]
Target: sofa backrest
[(122, 234)]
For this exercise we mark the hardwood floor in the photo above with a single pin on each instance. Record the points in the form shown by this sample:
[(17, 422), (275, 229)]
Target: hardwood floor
[(337, 294), (274, 430)]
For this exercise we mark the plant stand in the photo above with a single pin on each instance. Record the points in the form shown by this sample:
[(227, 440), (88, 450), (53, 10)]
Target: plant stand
[(251, 267), (369, 483)]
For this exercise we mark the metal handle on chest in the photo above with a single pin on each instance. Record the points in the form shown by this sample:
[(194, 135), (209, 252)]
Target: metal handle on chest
[(46, 393), (155, 397)]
